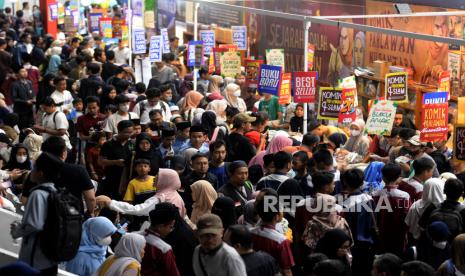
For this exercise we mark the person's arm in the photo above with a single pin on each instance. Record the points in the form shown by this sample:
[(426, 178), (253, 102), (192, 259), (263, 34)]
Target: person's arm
[(89, 162), (105, 162), (16, 95), (34, 216), (57, 132), (142, 209), (89, 198)]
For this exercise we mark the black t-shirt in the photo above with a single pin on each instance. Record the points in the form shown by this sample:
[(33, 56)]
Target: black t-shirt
[(240, 148), (297, 124), (113, 150), (260, 264)]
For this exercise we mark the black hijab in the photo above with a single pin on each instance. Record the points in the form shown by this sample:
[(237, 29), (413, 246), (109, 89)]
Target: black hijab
[(151, 154), (209, 123), (105, 100), (13, 164), (224, 207), (330, 243)]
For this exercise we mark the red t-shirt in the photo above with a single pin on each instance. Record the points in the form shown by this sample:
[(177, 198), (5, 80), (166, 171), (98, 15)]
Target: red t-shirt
[(86, 122), (159, 258), (254, 138)]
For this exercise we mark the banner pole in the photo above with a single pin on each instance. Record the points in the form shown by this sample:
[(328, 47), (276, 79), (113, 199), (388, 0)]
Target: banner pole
[(196, 34), (306, 29)]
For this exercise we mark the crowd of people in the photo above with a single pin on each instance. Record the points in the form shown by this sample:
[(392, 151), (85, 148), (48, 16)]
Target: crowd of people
[(168, 179)]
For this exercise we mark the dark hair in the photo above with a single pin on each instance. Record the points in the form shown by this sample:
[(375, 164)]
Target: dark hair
[(302, 156), (140, 87), (255, 173), (330, 267), (75, 39), (388, 263), (422, 164), (310, 261), (121, 98), (153, 93), (92, 99), (11, 119), (124, 124), (123, 85), (310, 139), (164, 88), (48, 101), (167, 57), (163, 213), (321, 179), (260, 118), (281, 159), (58, 79), (233, 166), (54, 145), (394, 132), (80, 59), (267, 159), (400, 110), (112, 108), (155, 111), (49, 165), (65, 69), (110, 54), (98, 53), (391, 172), (216, 145), (77, 100), (406, 133), (268, 207), (323, 156), (231, 111), (415, 268), (453, 188), (203, 71), (2, 41), (240, 234), (93, 68), (352, 178), (198, 155), (141, 161)]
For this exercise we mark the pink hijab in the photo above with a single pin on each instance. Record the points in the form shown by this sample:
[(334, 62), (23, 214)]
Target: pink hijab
[(168, 183), (278, 143)]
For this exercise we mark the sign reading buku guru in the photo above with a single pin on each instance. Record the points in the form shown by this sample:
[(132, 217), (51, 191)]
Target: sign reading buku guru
[(269, 79), (305, 87)]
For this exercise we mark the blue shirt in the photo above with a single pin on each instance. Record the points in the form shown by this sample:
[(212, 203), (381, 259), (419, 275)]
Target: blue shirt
[(220, 173), (180, 145), (203, 149)]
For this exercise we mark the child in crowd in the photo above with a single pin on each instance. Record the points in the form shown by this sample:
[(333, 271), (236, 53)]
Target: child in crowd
[(142, 187), (78, 107), (297, 122), (95, 169)]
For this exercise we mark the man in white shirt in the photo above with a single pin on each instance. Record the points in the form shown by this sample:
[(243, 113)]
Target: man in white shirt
[(122, 53), (54, 122), (111, 126), (61, 96), (143, 108)]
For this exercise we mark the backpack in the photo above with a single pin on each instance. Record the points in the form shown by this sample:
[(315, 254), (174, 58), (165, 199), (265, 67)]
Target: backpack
[(451, 217), (61, 235), (143, 107)]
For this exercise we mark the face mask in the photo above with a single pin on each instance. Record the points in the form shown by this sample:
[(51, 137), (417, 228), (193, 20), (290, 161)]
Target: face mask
[(124, 107), (349, 258), (354, 132), (237, 93), (21, 158), (105, 241), (440, 245), (168, 99), (291, 173)]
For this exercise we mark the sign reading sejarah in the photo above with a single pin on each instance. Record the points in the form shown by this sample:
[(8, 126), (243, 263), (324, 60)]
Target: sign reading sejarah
[(208, 38), (459, 143), (434, 117), (239, 37), (396, 87), (330, 103), (269, 78), (305, 87)]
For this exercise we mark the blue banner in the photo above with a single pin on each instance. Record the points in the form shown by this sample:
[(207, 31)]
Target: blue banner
[(239, 37), (435, 98), (208, 38), (194, 56), (139, 46), (155, 50), (166, 40), (269, 79)]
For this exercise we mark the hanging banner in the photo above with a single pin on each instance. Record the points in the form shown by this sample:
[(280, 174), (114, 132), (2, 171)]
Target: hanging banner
[(347, 113), (166, 40), (155, 51), (118, 28), (310, 56), (269, 78), (195, 53), (459, 143), (305, 87), (285, 89), (434, 117), (53, 11), (381, 117), (251, 72), (139, 43), (329, 103), (217, 58), (230, 64), (229, 47), (396, 87), (106, 28), (94, 22), (239, 37), (208, 38), (275, 57)]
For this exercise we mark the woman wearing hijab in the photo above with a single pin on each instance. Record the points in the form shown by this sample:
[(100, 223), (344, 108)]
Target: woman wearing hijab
[(232, 94), (219, 107), (203, 196), (215, 84), (278, 143), (432, 194), (456, 264), (325, 218), (96, 236), (335, 244), (145, 149), (224, 207), (46, 88), (55, 61), (290, 188), (19, 160), (127, 259), (358, 142), (214, 132), (190, 103), (108, 97)]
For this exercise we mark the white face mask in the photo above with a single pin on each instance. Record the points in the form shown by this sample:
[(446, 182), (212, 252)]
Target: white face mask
[(105, 241), (168, 99), (21, 158), (124, 107), (354, 132), (237, 93), (440, 245)]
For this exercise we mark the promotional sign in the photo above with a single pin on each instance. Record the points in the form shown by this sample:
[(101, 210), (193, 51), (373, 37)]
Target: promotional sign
[(195, 53), (444, 82), (329, 103), (166, 40), (396, 87), (106, 27), (347, 113), (285, 89), (269, 78), (229, 47), (94, 22), (239, 37), (251, 72), (155, 50), (459, 143), (208, 38), (139, 43), (275, 57), (70, 27), (381, 117), (434, 117), (53, 11), (217, 58), (211, 64), (118, 28), (230, 64), (305, 87), (310, 56)]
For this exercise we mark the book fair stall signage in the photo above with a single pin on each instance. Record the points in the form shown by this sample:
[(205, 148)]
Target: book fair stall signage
[(208, 38), (230, 64), (239, 37), (329, 103), (269, 78), (305, 87), (347, 113), (396, 87), (459, 143), (155, 50), (285, 89), (251, 72), (434, 117), (381, 117)]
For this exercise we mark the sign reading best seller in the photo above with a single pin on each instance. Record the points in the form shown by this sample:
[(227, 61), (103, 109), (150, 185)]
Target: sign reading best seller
[(305, 87)]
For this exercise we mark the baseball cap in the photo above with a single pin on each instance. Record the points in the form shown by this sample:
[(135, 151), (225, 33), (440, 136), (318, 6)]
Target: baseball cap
[(242, 118), (209, 224), (415, 140)]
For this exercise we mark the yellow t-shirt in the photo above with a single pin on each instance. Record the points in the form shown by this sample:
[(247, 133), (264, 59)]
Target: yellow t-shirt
[(111, 260), (138, 191)]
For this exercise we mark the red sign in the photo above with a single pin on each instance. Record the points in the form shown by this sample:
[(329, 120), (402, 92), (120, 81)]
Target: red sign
[(434, 117), (310, 56), (305, 87), (217, 58), (251, 72), (285, 90), (347, 113), (228, 47)]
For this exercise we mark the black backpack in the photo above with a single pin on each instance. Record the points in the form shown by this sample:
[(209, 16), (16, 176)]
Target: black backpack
[(451, 217), (61, 235)]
